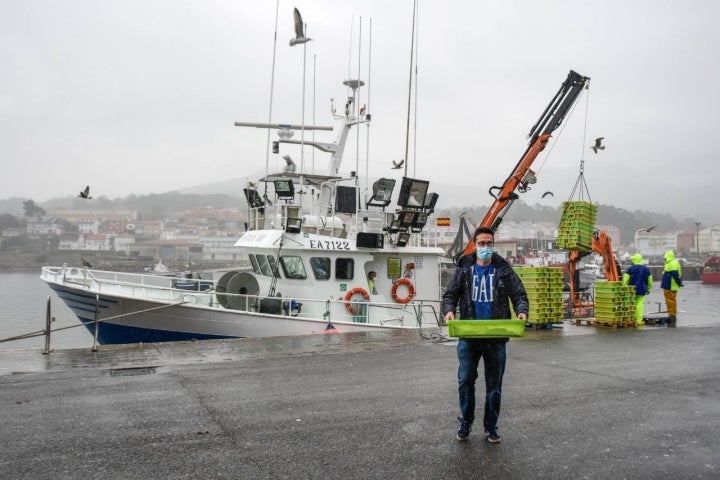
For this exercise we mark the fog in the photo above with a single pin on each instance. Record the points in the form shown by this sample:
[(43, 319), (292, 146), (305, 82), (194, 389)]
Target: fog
[(140, 97)]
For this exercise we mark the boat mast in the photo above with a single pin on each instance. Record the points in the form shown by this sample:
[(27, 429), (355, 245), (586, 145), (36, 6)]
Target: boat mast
[(407, 126), (417, 48), (367, 112), (356, 110), (272, 88)]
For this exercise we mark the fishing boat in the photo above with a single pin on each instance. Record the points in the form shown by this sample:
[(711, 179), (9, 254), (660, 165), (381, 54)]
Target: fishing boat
[(311, 239), (711, 271)]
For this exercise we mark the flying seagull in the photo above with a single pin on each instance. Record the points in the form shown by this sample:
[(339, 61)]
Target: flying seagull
[(85, 263), (397, 165), (299, 30), (85, 193), (649, 229), (598, 144), (547, 193)]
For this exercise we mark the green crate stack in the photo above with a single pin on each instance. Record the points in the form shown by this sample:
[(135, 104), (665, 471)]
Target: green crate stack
[(577, 225), (544, 289), (614, 302)]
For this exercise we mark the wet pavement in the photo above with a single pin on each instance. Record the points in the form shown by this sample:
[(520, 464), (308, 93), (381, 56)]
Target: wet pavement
[(579, 402)]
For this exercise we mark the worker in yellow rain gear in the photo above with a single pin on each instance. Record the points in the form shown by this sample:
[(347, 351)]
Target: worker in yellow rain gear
[(639, 276)]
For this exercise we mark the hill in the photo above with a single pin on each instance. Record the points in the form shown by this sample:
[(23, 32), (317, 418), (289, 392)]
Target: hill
[(228, 194)]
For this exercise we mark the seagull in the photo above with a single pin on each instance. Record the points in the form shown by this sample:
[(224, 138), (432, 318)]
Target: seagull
[(397, 165), (547, 193), (299, 30), (85, 263), (649, 229), (85, 193), (598, 144)]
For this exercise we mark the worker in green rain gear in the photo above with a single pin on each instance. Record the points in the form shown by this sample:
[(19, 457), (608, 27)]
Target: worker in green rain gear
[(671, 283), (639, 276)]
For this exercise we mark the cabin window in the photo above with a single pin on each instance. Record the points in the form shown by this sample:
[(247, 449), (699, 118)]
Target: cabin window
[(320, 267), (273, 265), (344, 269), (264, 265), (293, 267), (254, 262)]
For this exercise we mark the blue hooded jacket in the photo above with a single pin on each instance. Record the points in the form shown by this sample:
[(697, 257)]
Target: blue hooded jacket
[(672, 274), (638, 275)]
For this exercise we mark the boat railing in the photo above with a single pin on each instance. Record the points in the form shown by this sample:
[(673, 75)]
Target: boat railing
[(102, 280), (416, 313)]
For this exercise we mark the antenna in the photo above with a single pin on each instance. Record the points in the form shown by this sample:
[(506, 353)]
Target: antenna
[(415, 116), (412, 52), (272, 88), (367, 111)]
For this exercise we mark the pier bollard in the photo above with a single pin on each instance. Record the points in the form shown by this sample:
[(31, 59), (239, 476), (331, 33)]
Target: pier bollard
[(95, 333), (48, 322)]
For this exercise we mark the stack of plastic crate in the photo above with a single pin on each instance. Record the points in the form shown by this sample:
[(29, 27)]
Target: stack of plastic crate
[(577, 225), (614, 303), (544, 287)]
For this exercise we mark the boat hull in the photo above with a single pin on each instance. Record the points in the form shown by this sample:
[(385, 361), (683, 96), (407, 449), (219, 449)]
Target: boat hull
[(711, 271), (124, 319), (711, 278)]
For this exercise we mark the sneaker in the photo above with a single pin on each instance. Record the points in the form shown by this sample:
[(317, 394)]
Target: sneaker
[(492, 436), (464, 431)]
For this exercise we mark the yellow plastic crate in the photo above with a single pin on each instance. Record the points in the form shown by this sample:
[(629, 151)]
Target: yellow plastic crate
[(486, 328)]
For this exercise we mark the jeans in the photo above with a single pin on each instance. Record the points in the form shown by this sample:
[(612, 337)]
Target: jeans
[(493, 353)]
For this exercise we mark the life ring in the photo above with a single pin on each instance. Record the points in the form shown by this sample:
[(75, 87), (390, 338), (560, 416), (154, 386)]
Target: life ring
[(348, 296), (411, 290)]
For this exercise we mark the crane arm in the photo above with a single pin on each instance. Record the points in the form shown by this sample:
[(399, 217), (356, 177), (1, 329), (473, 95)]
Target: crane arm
[(521, 176)]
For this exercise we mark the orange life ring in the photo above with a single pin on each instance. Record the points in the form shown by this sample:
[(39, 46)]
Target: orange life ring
[(348, 296), (411, 290)]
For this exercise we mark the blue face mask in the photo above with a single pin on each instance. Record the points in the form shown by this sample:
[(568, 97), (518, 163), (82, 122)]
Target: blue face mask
[(484, 253)]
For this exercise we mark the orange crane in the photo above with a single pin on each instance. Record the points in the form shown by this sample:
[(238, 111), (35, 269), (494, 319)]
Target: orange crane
[(602, 245), (522, 176)]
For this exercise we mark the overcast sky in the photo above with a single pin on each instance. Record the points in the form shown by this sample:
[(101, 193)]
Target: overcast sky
[(140, 96)]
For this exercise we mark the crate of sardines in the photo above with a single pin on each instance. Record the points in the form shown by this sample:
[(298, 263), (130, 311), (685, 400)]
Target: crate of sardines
[(486, 328)]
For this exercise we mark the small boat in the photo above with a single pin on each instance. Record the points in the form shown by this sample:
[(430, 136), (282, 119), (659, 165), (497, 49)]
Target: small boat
[(711, 271)]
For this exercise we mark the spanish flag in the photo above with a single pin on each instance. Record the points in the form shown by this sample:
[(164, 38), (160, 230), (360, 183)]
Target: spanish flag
[(443, 222)]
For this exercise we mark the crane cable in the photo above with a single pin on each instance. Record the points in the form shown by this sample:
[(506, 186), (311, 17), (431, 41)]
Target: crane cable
[(580, 182)]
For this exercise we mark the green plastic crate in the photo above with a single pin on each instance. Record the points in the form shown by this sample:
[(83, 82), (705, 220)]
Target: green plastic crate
[(486, 328)]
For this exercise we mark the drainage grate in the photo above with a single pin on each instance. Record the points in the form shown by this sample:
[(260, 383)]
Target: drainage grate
[(133, 371)]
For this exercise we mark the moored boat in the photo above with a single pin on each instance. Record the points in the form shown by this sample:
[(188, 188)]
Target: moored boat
[(312, 241), (711, 271)]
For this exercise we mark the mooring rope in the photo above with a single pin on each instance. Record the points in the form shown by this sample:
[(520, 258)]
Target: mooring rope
[(41, 333)]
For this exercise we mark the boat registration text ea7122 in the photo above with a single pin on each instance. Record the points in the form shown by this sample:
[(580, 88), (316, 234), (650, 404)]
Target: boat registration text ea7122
[(329, 244)]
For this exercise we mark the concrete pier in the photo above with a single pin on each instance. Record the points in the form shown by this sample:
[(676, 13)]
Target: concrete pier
[(620, 403)]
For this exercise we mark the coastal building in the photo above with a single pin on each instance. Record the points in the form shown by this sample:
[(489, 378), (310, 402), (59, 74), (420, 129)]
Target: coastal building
[(44, 225), (99, 242)]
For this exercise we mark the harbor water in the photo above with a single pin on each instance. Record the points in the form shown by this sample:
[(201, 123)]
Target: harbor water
[(25, 296), (24, 305)]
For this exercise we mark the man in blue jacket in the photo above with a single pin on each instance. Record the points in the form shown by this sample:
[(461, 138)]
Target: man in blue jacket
[(481, 289)]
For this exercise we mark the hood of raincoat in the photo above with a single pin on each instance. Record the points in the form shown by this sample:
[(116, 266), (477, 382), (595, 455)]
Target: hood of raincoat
[(636, 259), (669, 256)]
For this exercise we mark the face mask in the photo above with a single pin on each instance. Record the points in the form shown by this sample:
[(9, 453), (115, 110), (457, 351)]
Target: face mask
[(484, 253)]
